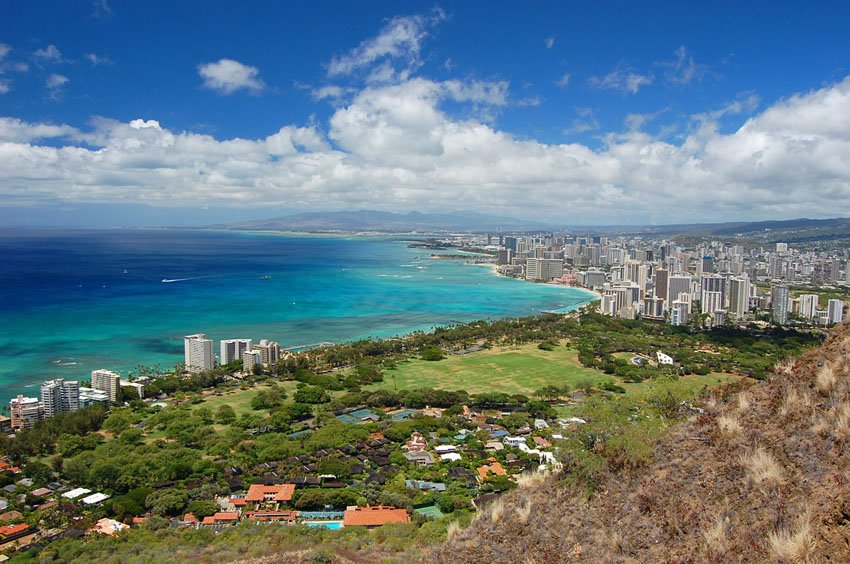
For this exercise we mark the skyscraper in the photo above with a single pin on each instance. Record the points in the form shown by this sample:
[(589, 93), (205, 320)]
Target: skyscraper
[(232, 349), (779, 298), (198, 351), (60, 396), (25, 412), (662, 280), (106, 381), (835, 311), (739, 297)]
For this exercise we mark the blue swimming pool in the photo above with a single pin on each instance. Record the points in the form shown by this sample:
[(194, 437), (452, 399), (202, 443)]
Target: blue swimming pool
[(333, 525)]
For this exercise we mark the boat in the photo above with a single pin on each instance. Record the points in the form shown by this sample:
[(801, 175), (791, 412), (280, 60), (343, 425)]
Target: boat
[(265, 277)]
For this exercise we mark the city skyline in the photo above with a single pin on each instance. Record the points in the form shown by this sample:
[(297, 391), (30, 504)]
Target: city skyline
[(606, 113)]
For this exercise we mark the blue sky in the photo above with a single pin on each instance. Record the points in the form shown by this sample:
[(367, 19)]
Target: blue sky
[(612, 112)]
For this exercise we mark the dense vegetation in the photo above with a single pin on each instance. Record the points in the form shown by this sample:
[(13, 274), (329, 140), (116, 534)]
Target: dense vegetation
[(164, 462)]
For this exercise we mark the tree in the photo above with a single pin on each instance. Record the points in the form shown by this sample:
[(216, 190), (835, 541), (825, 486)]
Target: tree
[(167, 502), (432, 354), (225, 415), (312, 395)]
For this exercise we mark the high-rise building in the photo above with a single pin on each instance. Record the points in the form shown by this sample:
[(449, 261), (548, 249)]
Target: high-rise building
[(232, 349), (808, 305), (679, 312), (544, 269), (250, 359), (678, 285), (661, 283), (712, 283), (25, 412), (106, 381), (711, 301), (198, 351), (835, 311), (739, 297), (779, 299), (60, 396), (269, 352)]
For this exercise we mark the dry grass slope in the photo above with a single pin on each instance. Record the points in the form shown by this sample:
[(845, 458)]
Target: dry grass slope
[(763, 474)]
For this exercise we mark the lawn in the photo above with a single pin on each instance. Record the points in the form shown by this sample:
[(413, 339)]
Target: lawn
[(512, 370), (240, 400)]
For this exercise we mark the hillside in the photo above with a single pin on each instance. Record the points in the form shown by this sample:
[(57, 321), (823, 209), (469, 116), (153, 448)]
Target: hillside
[(760, 475)]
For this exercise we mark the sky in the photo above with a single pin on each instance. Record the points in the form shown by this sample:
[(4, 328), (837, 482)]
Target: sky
[(197, 112)]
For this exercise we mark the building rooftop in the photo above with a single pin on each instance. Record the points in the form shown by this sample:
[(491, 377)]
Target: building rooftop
[(260, 493), (374, 516)]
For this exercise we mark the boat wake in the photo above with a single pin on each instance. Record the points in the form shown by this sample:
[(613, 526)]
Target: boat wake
[(170, 280)]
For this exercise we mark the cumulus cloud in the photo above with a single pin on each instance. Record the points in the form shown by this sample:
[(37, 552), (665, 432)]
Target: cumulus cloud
[(6, 66), (683, 69), (400, 40), (394, 147), (623, 79), (56, 84), (227, 76), (49, 54), (17, 131)]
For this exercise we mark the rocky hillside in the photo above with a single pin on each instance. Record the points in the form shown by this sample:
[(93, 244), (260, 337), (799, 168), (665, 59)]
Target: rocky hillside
[(763, 474)]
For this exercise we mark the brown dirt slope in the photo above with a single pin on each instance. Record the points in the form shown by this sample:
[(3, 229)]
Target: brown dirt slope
[(762, 475)]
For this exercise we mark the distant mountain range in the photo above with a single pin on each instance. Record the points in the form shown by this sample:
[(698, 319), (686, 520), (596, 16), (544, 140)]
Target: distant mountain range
[(792, 230), (370, 220)]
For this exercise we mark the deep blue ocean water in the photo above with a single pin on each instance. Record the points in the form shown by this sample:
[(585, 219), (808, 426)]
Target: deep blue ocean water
[(76, 300)]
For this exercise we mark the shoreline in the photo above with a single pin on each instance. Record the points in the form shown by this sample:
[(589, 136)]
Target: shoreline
[(494, 269)]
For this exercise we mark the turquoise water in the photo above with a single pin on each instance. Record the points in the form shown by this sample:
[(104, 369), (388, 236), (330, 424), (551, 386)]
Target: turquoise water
[(332, 525), (76, 300)]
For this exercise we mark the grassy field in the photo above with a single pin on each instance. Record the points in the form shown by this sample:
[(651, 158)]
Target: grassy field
[(512, 370), (240, 400), (521, 370)]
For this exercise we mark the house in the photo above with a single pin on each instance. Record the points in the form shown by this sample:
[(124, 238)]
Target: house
[(450, 457), (540, 424), (40, 492), (541, 442), (260, 494), (139, 521), (417, 442), (493, 467), (94, 499), (189, 520), (432, 412), (423, 458), (443, 449), (221, 518), (425, 486), (269, 516), (108, 527), (498, 434), (373, 516), (494, 445), (515, 441), (10, 516)]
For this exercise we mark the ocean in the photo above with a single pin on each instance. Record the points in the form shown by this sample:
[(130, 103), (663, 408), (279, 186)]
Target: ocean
[(77, 300)]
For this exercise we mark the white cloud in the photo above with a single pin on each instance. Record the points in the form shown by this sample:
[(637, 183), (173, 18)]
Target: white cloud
[(98, 60), (393, 147), (101, 10), (4, 50), (586, 121), (549, 42), (478, 91), (55, 81), (683, 70), (17, 131), (226, 76), (623, 79), (400, 40), (564, 81), (49, 54)]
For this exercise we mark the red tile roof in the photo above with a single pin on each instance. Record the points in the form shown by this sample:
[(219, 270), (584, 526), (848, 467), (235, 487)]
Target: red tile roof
[(494, 467), (238, 501), (260, 515), (374, 516), (10, 530), (261, 493), (222, 517)]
